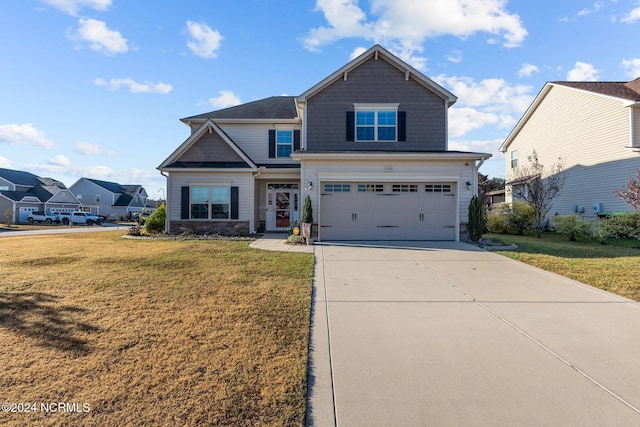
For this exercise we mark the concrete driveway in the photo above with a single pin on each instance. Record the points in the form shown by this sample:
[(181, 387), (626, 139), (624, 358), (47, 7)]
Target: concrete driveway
[(449, 335)]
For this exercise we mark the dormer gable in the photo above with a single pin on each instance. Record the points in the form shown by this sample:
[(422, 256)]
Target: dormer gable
[(208, 147)]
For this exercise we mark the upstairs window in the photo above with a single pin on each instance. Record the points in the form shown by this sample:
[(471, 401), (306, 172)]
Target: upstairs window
[(514, 159), (376, 125), (284, 143), (376, 122)]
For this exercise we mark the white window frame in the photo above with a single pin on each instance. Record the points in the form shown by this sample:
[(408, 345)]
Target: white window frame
[(284, 144), (514, 159), (210, 202), (375, 109)]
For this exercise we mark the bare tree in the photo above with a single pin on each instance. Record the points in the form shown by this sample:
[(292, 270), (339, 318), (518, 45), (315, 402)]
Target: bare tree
[(538, 186), (631, 192)]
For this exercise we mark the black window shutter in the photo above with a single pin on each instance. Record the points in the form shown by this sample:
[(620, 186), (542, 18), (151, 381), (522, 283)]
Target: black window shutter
[(296, 140), (402, 125), (184, 203), (234, 203), (272, 143), (351, 126)]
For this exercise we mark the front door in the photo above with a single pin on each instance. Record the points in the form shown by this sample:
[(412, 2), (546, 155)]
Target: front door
[(283, 209)]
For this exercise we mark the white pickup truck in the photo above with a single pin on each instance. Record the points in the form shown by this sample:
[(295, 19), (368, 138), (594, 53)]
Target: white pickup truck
[(80, 218)]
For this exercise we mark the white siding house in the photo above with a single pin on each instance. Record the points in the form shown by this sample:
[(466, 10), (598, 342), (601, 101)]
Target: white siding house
[(594, 128)]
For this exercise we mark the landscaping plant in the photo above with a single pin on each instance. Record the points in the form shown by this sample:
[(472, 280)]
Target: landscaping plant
[(476, 219), (573, 227)]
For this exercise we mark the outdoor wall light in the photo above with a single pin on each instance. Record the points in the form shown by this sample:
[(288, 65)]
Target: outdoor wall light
[(468, 184), (310, 185)]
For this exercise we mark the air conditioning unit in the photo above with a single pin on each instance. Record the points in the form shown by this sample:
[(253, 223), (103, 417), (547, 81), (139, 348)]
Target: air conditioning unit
[(597, 207)]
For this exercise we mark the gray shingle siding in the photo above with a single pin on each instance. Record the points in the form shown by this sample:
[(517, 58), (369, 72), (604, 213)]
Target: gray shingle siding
[(376, 82)]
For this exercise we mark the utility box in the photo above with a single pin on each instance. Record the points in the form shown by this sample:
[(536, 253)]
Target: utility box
[(597, 208)]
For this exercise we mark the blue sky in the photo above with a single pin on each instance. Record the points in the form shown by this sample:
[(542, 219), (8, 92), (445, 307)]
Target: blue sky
[(96, 88)]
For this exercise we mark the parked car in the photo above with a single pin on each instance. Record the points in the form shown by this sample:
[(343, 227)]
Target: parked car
[(86, 218), (46, 217)]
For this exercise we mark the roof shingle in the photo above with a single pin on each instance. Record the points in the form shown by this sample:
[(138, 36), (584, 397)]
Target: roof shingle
[(625, 90)]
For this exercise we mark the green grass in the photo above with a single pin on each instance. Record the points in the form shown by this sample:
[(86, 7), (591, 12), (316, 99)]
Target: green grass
[(614, 266), (153, 332)]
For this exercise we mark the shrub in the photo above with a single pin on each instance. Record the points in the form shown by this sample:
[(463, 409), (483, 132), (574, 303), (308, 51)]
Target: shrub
[(155, 222), (476, 219), (572, 226), (496, 223), (623, 226), (307, 211), (519, 217)]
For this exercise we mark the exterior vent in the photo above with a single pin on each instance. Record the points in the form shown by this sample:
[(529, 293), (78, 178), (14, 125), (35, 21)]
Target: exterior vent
[(597, 207)]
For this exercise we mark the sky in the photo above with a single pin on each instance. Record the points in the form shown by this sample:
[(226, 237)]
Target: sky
[(96, 88)]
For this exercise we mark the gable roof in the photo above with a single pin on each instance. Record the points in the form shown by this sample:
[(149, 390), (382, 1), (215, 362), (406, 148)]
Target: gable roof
[(41, 188), (629, 92), (208, 126), (623, 90), (272, 108), (378, 51)]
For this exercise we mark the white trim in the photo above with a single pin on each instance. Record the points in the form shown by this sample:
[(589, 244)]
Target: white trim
[(364, 155), (376, 106), (188, 122)]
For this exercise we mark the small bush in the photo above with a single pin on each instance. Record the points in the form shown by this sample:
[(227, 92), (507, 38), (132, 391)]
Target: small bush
[(573, 227), (135, 230), (155, 222), (623, 226), (477, 221), (496, 223), (519, 217), (296, 240)]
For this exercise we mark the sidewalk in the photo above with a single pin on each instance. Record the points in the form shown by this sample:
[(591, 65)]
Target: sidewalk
[(278, 242)]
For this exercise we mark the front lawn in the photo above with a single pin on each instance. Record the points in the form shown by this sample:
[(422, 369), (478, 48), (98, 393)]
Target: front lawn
[(151, 332), (614, 267)]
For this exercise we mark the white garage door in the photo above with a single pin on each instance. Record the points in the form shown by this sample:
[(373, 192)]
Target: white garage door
[(387, 211)]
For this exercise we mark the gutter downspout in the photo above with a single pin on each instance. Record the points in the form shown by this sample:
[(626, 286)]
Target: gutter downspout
[(476, 169)]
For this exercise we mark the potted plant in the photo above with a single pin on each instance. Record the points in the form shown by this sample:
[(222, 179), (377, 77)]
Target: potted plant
[(307, 219)]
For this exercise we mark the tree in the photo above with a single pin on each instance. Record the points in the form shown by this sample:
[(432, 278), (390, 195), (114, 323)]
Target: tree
[(477, 221), (538, 186), (307, 211), (631, 192)]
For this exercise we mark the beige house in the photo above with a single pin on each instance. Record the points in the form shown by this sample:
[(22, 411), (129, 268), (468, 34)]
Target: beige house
[(595, 128), (368, 144)]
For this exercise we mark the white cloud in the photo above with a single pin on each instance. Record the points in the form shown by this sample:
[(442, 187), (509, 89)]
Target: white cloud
[(488, 102), (59, 160), (71, 7), (596, 7), (15, 134), (583, 72), (633, 67), (527, 69), (403, 25), (100, 38), (134, 87), (357, 52), (464, 120), (89, 149), (455, 56), (204, 41), (5, 163), (226, 99), (632, 16)]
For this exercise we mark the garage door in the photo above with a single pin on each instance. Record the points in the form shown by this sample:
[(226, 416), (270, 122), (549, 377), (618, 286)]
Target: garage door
[(387, 211)]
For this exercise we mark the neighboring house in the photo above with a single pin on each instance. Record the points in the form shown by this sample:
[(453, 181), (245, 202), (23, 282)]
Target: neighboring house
[(110, 199), (595, 128), (368, 144), (22, 193), (495, 199)]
